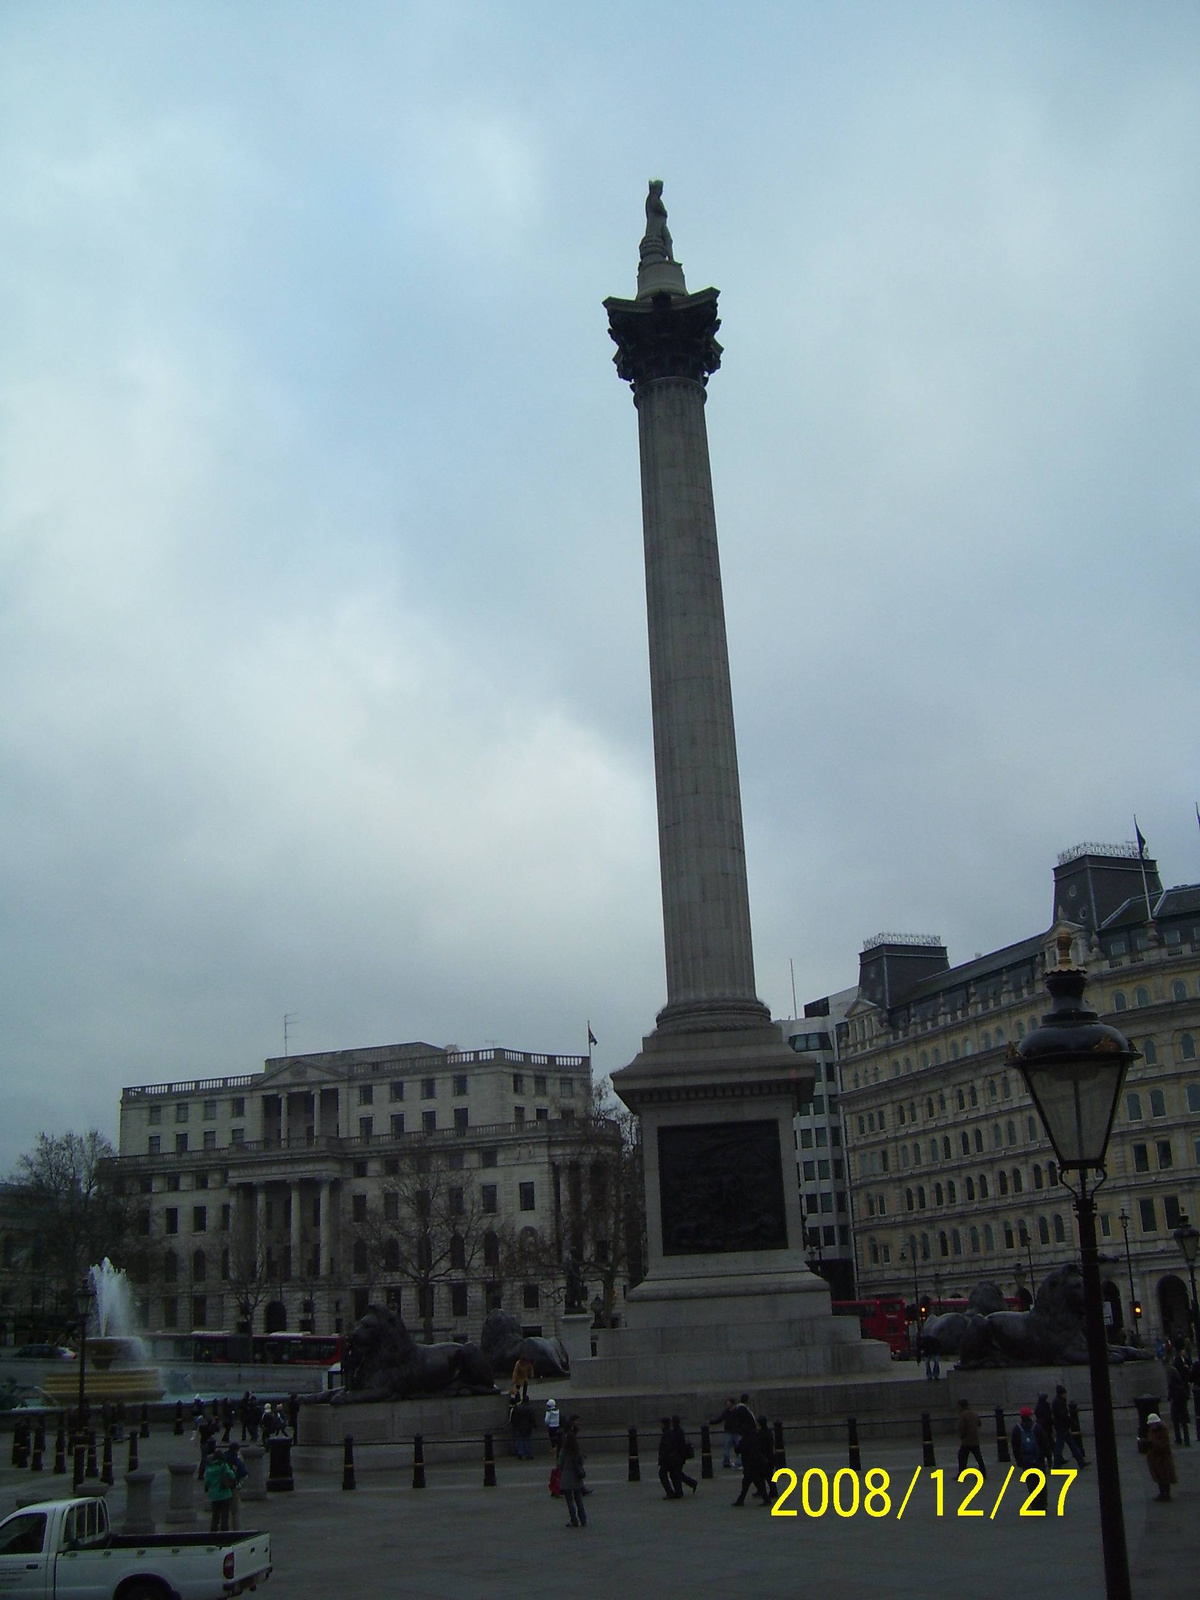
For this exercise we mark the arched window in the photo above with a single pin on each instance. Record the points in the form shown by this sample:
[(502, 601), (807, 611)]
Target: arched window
[(954, 1050), (970, 1183), (943, 1244), (1133, 1107), (929, 1106), (912, 1110), (874, 1253), (1141, 996), (900, 1113), (956, 1241), (961, 1100), (983, 1188), (856, 1082), (895, 1069), (939, 1197), (945, 1147), (908, 1199), (933, 1149), (921, 1197), (1179, 990), (979, 1140), (997, 1136), (1051, 1174), (916, 1154), (1150, 1052), (974, 1241), (1043, 1230), (862, 1125), (966, 1047), (941, 1100), (1011, 1131), (989, 1238), (987, 1040), (937, 1057), (1194, 1096), (876, 1074), (1002, 1181), (1187, 1047), (924, 1059), (1030, 1128), (1120, 1003), (951, 1193), (1037, 1175), (908, 1063), (972, 1096), (1020, 1029), (1009, 1241), (1017, 1182), (964, 1139), (1059, 1231), (991, 1090), (924, 1247), (904, 1155), (1005, 1086)]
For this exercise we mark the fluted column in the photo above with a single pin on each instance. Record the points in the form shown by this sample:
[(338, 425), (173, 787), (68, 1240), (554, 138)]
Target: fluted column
[(294, 1238)]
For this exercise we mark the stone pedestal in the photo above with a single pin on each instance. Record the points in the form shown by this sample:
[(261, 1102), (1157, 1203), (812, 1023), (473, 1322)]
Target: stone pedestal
[(181, 1505), (139, 1516), (254, 1484), (576, 1335), (280, 1478)]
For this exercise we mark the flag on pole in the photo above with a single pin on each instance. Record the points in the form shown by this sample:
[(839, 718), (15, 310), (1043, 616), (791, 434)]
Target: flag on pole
[(591, 1037), (1141, 843), (1198, 813)]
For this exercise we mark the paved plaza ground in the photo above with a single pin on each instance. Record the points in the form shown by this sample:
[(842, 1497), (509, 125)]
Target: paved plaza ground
[(456, 1540)]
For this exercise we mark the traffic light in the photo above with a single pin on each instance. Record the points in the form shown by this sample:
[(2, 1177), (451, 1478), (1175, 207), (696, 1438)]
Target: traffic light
[(1137, 1308), (923, 1308)]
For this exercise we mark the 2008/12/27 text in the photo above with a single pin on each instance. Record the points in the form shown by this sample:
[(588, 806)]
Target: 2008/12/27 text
[(849, 1492)]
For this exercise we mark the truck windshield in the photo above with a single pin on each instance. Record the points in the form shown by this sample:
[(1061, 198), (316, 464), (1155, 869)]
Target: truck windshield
[(23, 1535)]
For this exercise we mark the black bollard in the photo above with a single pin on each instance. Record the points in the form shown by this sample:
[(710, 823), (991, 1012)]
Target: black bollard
[(1002, 1451), (178, 1418), (133, 1450), (106, 1417), (418, 1461), (1073, 1427), (77, 1474), (93, 1467), (20, 1449), (706, 1470), (280, 1478), (852, 1442), (106, 1467), (780, 1452), (927, 1456), (60, 1448), (635, 1468), (39, 1446), (144, 1430), (349, 1481), (489, 1463)]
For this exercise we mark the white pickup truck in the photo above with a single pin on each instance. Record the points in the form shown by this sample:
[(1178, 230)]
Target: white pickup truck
[(65, 1550)]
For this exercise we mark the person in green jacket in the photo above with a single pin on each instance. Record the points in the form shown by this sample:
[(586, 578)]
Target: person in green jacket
[(219, 1480)]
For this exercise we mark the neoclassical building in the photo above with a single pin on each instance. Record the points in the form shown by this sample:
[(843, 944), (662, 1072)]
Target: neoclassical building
[(293, 1187), (953, 1178)]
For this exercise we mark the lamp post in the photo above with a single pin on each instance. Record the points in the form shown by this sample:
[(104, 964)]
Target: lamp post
[(1124, 1219), (1188, 1240), (83, 1305), (916, 1295), (1074, 1066), (1026, 1240)]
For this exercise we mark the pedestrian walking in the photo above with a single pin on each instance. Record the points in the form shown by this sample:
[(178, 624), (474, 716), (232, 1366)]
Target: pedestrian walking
[(725, 1420), (684, 1453), (754, 1461), (1157, 1450), (522, 1377), (218, 1485), (1043, 1414), (552, 1422), (1030, 1442), (572, 1473), (1060, 1415), (1178, 1398), (968, 1437), (226, 1419), (233, 1460)]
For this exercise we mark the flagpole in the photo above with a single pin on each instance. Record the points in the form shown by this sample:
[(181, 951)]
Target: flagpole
[(1141, 850)]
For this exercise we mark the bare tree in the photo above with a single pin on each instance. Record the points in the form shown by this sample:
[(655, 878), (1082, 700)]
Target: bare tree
[(601, 1222), (251, 1277), (72, 1213)]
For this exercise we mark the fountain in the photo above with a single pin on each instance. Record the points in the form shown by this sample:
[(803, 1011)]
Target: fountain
[(118, 1363)]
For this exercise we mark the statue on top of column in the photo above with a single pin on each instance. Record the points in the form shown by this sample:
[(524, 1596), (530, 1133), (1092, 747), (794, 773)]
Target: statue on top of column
[(656, 242)]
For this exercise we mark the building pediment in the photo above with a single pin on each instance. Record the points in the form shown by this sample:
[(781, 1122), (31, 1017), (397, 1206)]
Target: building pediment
[(296, 1074)]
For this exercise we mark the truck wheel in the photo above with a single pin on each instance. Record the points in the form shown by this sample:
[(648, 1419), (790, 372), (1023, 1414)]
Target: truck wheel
[(144, 1589)]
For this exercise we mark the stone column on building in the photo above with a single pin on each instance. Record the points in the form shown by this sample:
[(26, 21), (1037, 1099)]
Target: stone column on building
[(715, 1084), (297, 1262), (260, 1219)]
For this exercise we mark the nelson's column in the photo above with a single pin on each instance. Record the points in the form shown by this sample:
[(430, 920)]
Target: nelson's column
[(727, 1290)]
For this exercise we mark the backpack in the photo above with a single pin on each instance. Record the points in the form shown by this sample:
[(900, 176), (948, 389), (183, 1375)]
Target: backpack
[(1028, 1447)]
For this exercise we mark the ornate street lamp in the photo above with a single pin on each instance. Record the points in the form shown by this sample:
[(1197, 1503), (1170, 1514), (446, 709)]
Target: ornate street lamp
[(1074, 1066), (1188, 1240), (1124, 1219), (84, 1298)]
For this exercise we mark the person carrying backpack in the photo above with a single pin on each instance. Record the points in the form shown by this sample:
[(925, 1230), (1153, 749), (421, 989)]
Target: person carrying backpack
[(1030, 1444)]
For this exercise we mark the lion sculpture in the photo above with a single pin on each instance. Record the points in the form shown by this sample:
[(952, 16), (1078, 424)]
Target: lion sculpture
[(1051, 1334), (503, 1343), (384, 1362)]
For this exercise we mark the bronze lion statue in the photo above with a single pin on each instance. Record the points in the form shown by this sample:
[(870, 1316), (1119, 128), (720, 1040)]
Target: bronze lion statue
[(503, 1343), (384, 1362)]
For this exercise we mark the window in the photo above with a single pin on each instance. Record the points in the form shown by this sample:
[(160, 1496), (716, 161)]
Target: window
[(1005, 1086), (429, 1122), (173, 1182), (210, 1138), (171, 1220), (1163, 1148), (908, 1199), (962, 1100), (181, 1112), (170, 1266), (964, 1140), (1009, 1240), (979, 1140), (199, 1266), (1146, 1216), (181, 1144), (1038, 1180), (358, 1256), (428, 1088), (487, 1195), (170, 1312), (1120, 1003), (358, 1207), (970, 1188), (518, 1082), (956, 1241), (237, 1106), (237, 1135), (1043, 1231), (458, 1299), (951, 1193), (541, 1114), (991, 1083), (983, 1186), (946, 1146), (997, 1136), (366, 1126), (1133, 1107), (1193, 1096), (1179, 990), (1173, 1215), (539, 1083), (397, 1124), (460, 1083), (1141, 997), (199, 1219), (154, 1145), (1011, 1131), (921, 1197), (491, 1250), (1158, 1103), (823, 1169), (1059, 1231), (1002, 1181), (460, 1119), (210, 1111), (366, 1094), (944, 1244), (154, 1114), (1030, 1128), (1187, 1047), (974, 1241), (939, 1198), (810, 1172), (822, 1138), (1150, 1052), (1141, 1158)]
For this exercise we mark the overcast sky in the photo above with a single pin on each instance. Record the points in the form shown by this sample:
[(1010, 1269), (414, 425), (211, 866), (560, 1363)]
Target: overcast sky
[(323, 658)]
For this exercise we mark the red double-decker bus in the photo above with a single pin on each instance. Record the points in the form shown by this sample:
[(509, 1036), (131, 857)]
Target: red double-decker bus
[(884, 1317)]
